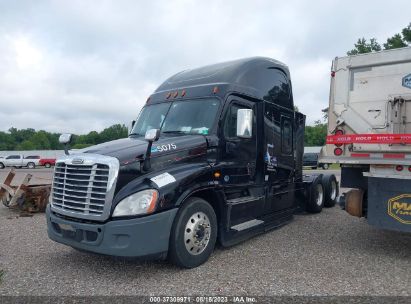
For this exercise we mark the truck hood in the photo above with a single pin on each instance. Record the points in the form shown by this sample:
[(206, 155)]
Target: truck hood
[(130, 149)]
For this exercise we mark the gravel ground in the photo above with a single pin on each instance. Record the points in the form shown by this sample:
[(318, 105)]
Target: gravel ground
[(324, 254)]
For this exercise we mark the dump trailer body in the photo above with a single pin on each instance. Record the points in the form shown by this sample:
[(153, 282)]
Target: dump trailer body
[(369, 134)]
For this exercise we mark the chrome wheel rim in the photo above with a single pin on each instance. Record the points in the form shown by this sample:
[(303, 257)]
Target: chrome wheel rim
[(197, 233), (333, 190), (320, 194)]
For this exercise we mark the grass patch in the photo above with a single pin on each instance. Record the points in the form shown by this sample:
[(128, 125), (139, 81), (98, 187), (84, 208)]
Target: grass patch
[(335, 166)]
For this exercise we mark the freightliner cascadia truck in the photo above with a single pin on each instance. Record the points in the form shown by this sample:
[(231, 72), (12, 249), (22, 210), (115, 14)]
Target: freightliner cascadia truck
[(369, 134), (215, 155)]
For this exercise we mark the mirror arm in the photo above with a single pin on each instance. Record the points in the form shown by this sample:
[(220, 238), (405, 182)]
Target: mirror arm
[(66, 146), (147, 163)]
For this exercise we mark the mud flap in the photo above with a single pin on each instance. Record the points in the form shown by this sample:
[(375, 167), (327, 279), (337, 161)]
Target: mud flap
[(389, 203)]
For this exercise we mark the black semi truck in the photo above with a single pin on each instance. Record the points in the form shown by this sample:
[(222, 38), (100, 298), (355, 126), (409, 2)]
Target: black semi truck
[(215, 155)]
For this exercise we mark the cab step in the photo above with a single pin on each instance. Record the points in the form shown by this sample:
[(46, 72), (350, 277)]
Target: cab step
[(243, 199), (247, 225)]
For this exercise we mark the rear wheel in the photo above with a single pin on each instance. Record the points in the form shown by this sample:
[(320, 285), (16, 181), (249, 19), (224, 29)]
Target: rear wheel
[(193, 234), (31, 165), (315, 202), (330, 185), (47, 165), (325, 166)]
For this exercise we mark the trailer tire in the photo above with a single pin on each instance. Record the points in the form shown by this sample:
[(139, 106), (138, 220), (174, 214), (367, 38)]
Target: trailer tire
[(194, 221), (316, 199), (331, 190), (2, 166)]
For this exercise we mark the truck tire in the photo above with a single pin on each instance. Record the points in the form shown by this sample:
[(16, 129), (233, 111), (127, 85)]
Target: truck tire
[(2, 166), (325, 166), (194, 234), (315, 202), (330, 185), (47, 165), (31, 165)]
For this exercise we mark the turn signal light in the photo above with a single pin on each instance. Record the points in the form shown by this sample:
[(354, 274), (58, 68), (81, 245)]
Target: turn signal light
[(338, 151), (399, 167)]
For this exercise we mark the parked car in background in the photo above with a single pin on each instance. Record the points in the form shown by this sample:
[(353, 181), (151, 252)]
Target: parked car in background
[(310, 158), (19, 161), (47, 162)]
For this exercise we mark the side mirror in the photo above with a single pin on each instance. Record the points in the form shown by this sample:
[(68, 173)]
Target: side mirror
[(131, 126), (65, 139), (152, 135), (245, 123)]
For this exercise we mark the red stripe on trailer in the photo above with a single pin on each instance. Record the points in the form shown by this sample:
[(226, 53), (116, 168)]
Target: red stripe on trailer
[(360, 154), (369, 139), (393, 155)]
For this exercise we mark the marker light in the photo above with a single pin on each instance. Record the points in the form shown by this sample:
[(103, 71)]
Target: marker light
[(399, 167), (332, 74), (168, 95), (183, 93), (215, 90), (409, 168), (338, 151), (175, 94)]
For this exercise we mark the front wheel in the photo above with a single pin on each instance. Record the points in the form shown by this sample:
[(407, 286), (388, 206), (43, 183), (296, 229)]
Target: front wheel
[(1, 166), (31, 165), (194, 234)]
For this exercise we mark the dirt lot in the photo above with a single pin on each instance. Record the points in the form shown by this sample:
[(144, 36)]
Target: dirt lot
[(324, 254)]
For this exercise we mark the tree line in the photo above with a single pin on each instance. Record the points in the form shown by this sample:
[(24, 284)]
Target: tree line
[(30, 139), (399, 40)]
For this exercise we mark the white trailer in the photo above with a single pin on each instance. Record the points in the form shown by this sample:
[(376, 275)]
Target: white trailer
[(369, 134)]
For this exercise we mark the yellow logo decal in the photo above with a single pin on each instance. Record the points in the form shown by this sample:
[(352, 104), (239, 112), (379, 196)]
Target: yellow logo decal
[(399, 207)]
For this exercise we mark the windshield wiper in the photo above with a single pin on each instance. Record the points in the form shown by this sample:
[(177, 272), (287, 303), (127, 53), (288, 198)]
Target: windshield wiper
[(175, 132)]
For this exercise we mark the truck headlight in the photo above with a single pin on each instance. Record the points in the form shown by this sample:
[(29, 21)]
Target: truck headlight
[(143, 202)]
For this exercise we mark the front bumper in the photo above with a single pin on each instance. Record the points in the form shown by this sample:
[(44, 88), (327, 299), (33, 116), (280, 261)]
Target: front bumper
[(137, 237)]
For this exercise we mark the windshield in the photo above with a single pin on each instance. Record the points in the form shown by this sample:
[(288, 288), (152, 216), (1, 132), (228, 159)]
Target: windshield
[(186, 117)]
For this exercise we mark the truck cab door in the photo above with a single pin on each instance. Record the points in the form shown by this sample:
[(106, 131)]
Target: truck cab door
[(279, 160), (238, 156)]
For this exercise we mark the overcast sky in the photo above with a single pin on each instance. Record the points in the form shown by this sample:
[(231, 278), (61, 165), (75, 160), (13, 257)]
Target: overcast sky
[(77, 66)]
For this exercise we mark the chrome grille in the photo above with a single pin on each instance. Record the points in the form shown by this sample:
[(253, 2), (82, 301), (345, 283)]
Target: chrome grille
[(84, 190), (80, 188)]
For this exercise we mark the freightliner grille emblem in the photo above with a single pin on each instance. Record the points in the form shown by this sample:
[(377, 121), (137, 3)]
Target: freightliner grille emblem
[(77, 161)]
